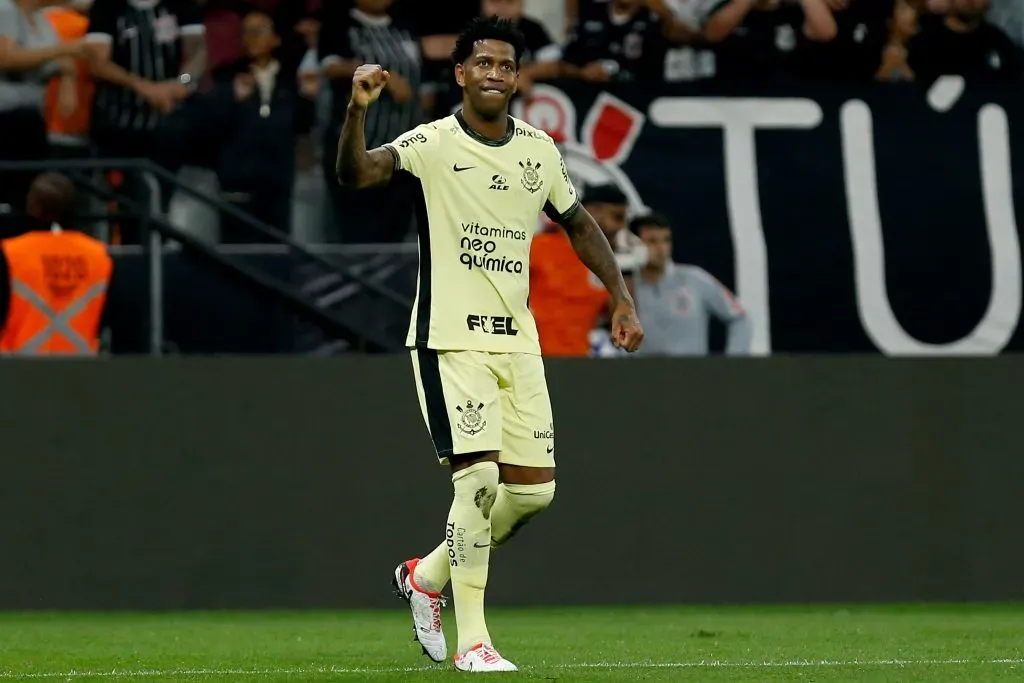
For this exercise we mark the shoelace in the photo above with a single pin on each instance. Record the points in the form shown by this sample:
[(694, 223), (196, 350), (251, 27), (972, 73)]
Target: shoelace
[(435, 607), (489, 654)]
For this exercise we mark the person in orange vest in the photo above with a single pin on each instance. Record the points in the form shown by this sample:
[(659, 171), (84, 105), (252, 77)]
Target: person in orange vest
[(567, 300), (569, 303), (53, 281)]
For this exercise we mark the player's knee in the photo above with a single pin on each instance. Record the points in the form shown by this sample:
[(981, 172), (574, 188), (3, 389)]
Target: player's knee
[(523, 502), (531, 499)]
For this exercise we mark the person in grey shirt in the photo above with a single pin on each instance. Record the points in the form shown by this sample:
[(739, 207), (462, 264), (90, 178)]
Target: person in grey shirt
[(31, 53), (676, 302)]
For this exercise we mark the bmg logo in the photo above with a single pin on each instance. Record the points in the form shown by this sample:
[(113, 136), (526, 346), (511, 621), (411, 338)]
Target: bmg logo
[(492, 324)]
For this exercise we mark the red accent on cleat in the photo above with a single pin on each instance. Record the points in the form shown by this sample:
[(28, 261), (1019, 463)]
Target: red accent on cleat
[(411, 566)]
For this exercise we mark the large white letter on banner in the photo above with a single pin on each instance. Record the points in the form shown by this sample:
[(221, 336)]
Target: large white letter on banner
[(739, 118), (1003, 314)]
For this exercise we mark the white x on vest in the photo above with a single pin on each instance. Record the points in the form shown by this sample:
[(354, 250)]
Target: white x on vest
[(59, 322)]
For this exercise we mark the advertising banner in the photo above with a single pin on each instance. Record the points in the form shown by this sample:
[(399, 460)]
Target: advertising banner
[(875, 218)]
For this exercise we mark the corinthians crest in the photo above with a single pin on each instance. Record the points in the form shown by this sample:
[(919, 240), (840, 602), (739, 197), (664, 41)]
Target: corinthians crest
[(531, 176), (471, 421)]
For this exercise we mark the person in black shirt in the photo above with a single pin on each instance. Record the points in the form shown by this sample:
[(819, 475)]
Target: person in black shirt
[(963, 43), (540, 60), (370, 34), (148, 57), (755, 38), (437, 26), (620, 40), (260, 112), (862, 30)]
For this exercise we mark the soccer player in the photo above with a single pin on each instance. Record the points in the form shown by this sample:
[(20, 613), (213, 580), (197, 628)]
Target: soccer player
[(485, 177)]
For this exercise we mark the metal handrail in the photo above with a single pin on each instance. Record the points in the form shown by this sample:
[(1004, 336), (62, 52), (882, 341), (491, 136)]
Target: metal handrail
[(148, 166), (285, 295), (326, 321)]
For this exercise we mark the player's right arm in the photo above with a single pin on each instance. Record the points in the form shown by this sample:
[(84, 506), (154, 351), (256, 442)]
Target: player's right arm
[(358, 167)]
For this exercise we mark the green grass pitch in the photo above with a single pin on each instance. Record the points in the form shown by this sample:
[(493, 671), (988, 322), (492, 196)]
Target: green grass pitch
[(931, 643)]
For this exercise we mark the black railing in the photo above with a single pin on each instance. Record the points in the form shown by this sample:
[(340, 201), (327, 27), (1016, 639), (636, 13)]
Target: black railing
[(155, 226)]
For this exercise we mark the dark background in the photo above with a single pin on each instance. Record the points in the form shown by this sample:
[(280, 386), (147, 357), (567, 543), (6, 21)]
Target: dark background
[(217, 482), (938, 265), (937, 260)]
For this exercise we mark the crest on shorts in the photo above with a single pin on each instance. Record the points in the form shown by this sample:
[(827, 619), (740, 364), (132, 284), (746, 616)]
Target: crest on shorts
[(471, 422), (531, 176)]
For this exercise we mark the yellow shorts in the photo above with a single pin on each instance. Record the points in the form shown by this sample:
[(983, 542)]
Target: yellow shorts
[(473, 401)]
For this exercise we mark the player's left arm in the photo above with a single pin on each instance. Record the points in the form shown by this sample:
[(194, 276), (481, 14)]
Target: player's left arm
[(726, 307), (592, 248)]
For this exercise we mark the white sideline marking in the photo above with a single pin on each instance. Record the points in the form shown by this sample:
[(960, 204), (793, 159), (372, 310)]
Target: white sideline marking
[(298, 671)]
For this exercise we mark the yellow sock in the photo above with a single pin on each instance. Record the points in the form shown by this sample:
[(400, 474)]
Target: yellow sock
[(515, 505), (469, 533), (465, 551), (433, 571)]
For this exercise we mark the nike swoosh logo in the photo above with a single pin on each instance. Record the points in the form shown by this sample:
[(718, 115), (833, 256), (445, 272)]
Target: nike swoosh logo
[(551, 449), (485, 545), (460, 170)]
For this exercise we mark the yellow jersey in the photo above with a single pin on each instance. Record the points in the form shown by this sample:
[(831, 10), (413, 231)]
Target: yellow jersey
[(481, 202)]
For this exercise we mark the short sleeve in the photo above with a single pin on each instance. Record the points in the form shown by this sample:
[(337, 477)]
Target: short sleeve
[(190, 17), (563, 200), (415, 150), (102, 21)]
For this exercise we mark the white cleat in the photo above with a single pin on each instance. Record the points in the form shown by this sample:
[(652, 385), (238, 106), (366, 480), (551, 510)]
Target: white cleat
[(426, 611), (483, 658)]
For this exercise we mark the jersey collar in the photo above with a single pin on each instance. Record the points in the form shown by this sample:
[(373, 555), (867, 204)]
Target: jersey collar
[(468, 130)]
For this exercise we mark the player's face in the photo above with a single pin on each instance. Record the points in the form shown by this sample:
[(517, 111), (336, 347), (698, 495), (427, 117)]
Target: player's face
[(489, 77), (259, 36), (659, 245), (506, 9)]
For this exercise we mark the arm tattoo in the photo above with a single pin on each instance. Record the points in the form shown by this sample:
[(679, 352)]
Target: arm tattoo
[(596, 254), (357, 167)]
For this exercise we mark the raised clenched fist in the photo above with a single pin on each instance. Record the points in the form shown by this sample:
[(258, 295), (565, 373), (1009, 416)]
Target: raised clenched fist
[(367, 83)]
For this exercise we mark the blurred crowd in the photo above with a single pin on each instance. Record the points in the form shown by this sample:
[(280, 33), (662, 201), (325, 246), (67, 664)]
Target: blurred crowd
[(254, 90), (254, 93)]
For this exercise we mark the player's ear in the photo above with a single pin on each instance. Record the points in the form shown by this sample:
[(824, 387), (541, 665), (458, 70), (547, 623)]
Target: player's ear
[(460, 75)]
